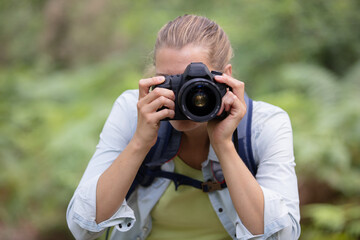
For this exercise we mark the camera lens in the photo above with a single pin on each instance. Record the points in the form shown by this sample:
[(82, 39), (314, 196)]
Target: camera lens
[(199, 100)]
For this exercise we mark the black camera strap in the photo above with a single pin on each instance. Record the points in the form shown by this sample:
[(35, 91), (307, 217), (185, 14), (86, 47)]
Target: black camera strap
[(180, 179)]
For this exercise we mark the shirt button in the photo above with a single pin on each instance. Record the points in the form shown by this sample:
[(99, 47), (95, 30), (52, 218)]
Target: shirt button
[(138, 238), (220, 210), (145, 229), (129, 224)]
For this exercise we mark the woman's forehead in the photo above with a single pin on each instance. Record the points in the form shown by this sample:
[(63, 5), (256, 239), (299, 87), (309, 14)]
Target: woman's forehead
[(170, 61)]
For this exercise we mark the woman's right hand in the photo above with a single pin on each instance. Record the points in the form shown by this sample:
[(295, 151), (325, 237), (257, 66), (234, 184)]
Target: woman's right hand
[(148, 115), (115, 181)]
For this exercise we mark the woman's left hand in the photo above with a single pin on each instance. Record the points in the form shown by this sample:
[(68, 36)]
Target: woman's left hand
[(245, 192), (233, 102)]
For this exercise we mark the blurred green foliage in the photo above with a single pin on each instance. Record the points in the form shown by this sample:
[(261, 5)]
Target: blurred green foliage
[(63, 63)]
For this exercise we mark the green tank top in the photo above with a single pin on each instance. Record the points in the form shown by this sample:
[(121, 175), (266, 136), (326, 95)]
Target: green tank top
[(186, 213)]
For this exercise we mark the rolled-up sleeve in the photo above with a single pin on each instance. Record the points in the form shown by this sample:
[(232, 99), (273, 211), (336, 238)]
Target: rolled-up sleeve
[(273, 147), (115, 136), (82, 212)]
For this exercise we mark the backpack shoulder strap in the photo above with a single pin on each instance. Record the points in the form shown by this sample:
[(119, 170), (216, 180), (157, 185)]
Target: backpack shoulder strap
[(166, 147), (242, 138), (242, 143)]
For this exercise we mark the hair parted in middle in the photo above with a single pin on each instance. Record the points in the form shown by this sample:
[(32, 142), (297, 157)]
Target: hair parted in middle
[(200, 32)]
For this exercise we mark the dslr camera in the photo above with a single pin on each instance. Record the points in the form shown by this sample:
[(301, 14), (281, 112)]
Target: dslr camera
[(198, 96)]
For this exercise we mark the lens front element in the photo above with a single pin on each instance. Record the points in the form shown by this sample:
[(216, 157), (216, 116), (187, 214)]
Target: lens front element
[(199, 100)]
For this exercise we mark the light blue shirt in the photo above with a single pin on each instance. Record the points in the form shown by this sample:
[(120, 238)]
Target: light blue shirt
[(273, 152)]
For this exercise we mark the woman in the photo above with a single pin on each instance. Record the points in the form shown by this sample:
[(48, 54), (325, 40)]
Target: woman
[(261, 207)]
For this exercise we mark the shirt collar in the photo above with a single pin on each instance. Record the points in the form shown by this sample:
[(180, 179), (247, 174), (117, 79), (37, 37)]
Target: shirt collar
[(211, 157)]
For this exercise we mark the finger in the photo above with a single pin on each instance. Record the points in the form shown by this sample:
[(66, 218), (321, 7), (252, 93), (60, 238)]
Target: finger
[(237, 86), (164, 113), (145, 84), (160, 102), (224, 104), (221, 109), (156, 93), (229, 101)]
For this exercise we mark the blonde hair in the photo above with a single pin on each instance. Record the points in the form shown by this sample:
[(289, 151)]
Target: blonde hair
[(197, 31)]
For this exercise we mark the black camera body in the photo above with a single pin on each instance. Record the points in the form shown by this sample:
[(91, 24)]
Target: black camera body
[(198, 96)]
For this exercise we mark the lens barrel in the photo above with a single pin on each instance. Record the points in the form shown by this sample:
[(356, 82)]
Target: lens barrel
[(199, 100)]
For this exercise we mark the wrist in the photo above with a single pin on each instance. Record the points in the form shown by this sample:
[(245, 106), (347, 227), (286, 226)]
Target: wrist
[(223, 146), (141, 145)]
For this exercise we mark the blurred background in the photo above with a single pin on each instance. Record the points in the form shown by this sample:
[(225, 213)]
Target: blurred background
[(63, 63)]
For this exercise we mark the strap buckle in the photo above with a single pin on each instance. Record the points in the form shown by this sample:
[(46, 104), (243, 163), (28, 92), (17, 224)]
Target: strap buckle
[(210, 186)]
